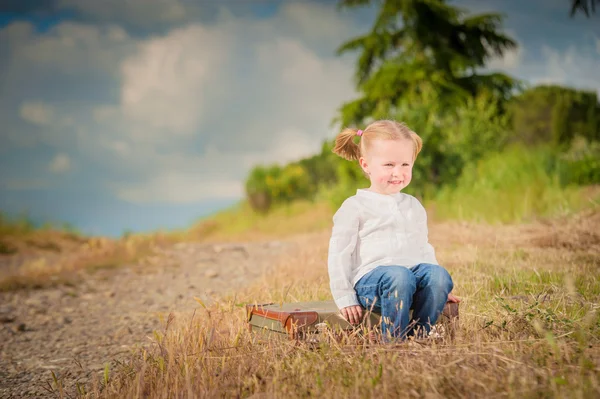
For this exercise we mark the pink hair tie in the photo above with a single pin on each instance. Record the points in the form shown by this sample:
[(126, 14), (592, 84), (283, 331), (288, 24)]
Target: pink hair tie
[(359, 133)]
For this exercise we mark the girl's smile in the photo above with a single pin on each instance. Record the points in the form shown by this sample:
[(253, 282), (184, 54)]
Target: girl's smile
[(388, 164)]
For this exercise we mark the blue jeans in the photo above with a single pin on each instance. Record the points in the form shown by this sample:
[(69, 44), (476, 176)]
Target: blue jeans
[(393, 291)]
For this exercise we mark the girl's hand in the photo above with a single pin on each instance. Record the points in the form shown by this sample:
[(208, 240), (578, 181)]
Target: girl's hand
[(452, 298), (353, 314)]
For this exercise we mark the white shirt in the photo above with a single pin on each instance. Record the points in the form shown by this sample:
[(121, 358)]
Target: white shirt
[(371, 230)]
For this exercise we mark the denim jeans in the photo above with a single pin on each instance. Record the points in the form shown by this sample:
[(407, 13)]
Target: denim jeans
[(393, 291)]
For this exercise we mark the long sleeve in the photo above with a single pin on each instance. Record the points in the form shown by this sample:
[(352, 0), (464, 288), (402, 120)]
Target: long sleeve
[(342, 244), (427, 250)]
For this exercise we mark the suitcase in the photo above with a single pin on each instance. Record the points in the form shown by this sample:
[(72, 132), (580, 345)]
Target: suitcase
[(305, 320)]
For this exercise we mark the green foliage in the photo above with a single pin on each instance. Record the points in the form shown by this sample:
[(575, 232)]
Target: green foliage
[(293, 183), (514, 185), (321, 168), (257, 189), (422, 45), (324, 175), (477, 128), (580, 165), (555, 114), (349, 178), (275, 184), (452, 138)]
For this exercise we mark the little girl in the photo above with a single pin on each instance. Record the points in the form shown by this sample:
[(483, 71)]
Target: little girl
[(379, 255)]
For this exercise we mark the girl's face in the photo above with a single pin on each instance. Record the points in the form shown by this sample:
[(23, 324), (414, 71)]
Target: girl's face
[(389, 165)]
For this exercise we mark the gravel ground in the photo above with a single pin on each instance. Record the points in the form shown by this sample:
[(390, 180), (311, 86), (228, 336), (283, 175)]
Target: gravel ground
[(74, 331)]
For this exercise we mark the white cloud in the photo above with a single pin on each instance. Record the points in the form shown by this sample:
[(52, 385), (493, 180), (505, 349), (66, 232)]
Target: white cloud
[(53, 125), (37, 113), (289, 145), (15, 34), (72, 47), (194, 108), (212, 174), (318, 26), (244, 100), (60, 163), (179, 188), (511, 59), (165, 83), (577, 67), (50, 78)]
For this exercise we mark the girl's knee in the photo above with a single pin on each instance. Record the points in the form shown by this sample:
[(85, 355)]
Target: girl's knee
[(399, 278), (440, 278)]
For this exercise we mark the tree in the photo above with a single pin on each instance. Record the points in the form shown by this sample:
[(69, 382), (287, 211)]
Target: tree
[(419, 46), (585, 6), (556, 114)]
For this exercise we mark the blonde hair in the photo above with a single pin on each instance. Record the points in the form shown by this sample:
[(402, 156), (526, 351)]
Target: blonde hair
[(346, 148)]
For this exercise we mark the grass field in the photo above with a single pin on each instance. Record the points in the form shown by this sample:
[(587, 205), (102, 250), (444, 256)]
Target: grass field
[(529, 328)]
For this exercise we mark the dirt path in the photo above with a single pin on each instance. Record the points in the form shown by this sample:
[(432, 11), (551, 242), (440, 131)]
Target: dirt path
[(74, 331)]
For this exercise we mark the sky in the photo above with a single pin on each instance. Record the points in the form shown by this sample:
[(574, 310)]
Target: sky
[(142, 115)]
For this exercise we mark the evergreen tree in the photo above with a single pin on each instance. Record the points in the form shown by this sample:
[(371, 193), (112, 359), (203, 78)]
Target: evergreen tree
[(586, 6), (423, 46)]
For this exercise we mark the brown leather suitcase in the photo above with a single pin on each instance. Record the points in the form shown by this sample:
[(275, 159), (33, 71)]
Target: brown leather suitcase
[(305, 320)]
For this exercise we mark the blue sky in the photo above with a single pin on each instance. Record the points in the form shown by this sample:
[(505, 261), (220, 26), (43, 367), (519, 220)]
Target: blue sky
[(148, 114)]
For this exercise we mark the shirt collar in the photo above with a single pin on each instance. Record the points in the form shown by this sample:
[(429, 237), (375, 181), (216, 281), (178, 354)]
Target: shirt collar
[(379, 197)]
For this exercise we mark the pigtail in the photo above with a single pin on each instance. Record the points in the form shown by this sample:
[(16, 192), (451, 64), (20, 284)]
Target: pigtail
[(418, 143), (345, 146)]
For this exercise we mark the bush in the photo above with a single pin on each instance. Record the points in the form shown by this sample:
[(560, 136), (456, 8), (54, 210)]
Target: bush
[(451, 138), (293, 183), (580, 165), (321, 168), (556, 114), (267, 186), (514, 185), (257, 189), (349, 177)]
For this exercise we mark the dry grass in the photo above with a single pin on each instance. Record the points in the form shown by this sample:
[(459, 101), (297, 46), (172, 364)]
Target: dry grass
[(38, 241), (529, 327), (45, 258)]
